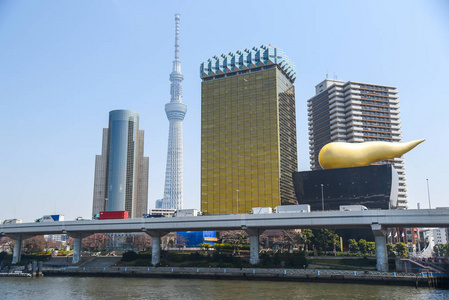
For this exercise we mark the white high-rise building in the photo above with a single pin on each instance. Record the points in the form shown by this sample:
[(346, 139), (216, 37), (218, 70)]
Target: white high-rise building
[(355, 112), (175, 110)]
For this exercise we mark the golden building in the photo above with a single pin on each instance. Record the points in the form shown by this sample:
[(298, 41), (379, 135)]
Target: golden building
[(248, 131)]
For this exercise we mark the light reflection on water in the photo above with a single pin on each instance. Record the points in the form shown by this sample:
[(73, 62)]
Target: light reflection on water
[(151, 288)]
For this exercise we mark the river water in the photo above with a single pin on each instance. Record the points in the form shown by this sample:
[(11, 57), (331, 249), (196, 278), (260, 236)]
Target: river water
[(150, 288)]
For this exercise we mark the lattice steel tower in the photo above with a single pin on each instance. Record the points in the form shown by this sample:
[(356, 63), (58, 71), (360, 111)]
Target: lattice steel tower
[(175, 110)]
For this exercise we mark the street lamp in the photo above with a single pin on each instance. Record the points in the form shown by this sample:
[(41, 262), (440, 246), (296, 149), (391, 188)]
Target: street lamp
[(237, 200), (322, 196), (428, 193)]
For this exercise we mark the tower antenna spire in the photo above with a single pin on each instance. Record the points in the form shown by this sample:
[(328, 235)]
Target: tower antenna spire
[(177, 18)]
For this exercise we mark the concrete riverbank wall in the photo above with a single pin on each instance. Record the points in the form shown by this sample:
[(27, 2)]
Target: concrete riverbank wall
[(298, 275)]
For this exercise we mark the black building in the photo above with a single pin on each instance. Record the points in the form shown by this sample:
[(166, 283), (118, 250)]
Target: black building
[(375, 187)]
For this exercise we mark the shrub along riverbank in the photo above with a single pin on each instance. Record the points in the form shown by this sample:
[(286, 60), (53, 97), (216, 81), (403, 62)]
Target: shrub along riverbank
[(221, 260), (295, 260)]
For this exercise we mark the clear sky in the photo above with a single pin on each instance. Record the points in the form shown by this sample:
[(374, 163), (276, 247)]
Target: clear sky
[(65, 64)]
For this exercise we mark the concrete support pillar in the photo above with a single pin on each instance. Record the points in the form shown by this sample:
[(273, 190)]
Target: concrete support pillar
[(17, 250), (77, 245), (381, 247), (254, 245), (40, 266), (77, 250), (156, 249)]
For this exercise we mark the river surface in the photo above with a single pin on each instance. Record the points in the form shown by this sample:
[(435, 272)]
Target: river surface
[(150, 288)]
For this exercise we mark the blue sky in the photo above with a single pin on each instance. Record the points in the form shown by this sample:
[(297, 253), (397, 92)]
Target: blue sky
[(65, 64)]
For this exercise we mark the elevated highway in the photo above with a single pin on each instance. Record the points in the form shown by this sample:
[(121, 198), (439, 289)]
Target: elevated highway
[(254, 225)]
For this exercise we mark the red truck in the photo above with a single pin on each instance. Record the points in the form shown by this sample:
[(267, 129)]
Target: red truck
[(121, 214)]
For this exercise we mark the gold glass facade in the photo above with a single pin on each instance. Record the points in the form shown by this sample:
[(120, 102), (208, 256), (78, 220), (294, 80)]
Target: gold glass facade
[(248, 141)]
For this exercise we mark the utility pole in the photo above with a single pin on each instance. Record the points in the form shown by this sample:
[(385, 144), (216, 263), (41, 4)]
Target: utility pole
[(322, 196), (237, 200)]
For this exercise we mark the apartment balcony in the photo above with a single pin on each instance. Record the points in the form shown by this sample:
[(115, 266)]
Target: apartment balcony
[(336, 110), (356, 140), (395, 126), (394, 106), (353, 117), (338, 131), (355, 96), (393, 93), (335, 104), (337, 125), (337, 120), (336, 99), (355, 135)]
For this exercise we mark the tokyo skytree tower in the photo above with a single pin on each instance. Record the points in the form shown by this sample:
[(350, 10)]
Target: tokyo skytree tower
[(175, 110)]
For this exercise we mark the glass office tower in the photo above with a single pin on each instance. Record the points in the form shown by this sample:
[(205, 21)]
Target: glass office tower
[(121, 172), (248, 131)]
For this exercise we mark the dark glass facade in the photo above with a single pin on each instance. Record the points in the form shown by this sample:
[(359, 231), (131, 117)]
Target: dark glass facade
[(121, 170), (373, 186)]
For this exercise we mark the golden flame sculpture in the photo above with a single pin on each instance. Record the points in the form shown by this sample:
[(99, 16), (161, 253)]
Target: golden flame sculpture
[(346, 155)]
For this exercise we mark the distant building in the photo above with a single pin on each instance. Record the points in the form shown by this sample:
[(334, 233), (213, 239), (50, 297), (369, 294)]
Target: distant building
[(166, 212), (248, 130), (158, 203), (121, 171), (60, 238), (355, 112), (440, 236)]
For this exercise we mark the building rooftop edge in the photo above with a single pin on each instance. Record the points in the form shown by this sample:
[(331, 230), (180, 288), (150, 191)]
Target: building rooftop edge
[(356, 82), (124, 110), (248, 59)]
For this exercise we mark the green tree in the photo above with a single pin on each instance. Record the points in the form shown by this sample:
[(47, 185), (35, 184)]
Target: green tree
[(306, 237), (390, 250), (353, 246), (401, 249), (446, 250), (441, 250), (371, 247), (363, 246), (326, 239)]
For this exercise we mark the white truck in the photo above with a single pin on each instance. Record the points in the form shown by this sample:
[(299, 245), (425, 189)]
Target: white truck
[(12, 221), (352, 208), (299, 208), (192, 212), (262, 210), (50, 218)]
